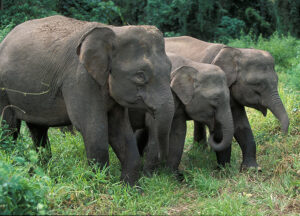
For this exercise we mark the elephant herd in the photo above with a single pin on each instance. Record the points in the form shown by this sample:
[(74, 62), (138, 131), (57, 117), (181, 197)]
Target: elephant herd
[(133, 89)]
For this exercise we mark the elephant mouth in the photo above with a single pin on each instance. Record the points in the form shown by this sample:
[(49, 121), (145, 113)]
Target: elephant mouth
[(259, 107), (140, 104), (263, 110)]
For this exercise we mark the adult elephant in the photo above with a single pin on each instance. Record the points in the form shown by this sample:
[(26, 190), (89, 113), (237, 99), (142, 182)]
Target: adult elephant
[(59, 71), (252, 81)]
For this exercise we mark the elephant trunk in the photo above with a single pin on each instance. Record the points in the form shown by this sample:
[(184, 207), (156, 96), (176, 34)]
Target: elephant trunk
[(163, 102), (275, 104), (221, 137), (164, 119)]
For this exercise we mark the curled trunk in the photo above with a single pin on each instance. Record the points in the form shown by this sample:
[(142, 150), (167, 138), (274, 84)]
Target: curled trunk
[(221, 137)]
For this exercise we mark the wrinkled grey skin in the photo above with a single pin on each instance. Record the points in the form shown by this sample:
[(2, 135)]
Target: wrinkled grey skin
[(59, 71), (200, 93), (252, 81)]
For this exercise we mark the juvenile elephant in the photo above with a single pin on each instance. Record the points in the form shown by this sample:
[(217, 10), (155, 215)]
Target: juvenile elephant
[(200, 93), (252, 82), (59, 71)]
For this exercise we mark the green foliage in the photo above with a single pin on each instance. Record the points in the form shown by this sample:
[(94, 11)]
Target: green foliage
[(211, 20), (18, 194), (22, 181), (294, 77), (18, 11), (229, 28), (287, 13), (100, 11)]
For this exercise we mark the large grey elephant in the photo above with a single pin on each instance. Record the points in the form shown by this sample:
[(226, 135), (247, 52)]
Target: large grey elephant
[(200, 93), (59, 71), (252, 81)]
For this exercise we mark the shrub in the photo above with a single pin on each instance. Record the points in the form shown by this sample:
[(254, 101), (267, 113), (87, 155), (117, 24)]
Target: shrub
[(100, 11), (23, 184), (18, 194), (229, 28), (294, 78)]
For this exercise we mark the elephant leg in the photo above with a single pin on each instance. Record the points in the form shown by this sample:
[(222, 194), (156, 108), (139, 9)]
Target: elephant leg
[(40, 137), (8, 116), (86, 104), (223, 157), (244, 136), (17, 129), (123, 142), (200, 134), (142, 139), (152, 148), (177, 139), (158, 135)]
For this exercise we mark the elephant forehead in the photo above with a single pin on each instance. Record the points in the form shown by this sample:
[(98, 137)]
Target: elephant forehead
[(256, 57), (138, 32), (207, 79), (147, 36)]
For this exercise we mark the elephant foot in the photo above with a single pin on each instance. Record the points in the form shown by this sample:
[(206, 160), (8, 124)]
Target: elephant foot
[(248, 165), (130, 175), (150, 167), (179, 175), (130, 180)]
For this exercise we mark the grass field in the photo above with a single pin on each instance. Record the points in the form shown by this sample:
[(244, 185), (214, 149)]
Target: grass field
[(67, 185)]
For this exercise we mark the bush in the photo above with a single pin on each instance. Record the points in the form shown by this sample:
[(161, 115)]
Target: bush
[(23, 184), (100, 11), (18, 11), (294, 77), (229, 28), (18, 194)]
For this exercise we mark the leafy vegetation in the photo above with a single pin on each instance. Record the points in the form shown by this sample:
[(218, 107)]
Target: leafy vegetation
[(212, 20), (23, 183), (67, 185)]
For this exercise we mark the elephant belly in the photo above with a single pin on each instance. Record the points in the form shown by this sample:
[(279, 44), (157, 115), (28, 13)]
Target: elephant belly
[(41, 110)]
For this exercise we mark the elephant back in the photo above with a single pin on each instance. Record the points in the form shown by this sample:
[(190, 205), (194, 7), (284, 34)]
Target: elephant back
[(50, 45)]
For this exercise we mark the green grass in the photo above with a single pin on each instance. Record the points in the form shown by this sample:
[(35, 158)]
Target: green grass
[(67, 185)]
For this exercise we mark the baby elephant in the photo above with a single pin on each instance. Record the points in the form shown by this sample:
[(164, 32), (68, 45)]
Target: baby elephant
[(200, 93)]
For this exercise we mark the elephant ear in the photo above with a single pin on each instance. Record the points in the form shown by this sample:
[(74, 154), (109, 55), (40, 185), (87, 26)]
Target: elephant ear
[(95, 51), (183, 79), (227, 60)]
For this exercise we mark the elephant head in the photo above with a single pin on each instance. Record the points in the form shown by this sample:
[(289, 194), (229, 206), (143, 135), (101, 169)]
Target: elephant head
[(204, 93), (133, 60), (253, 80)]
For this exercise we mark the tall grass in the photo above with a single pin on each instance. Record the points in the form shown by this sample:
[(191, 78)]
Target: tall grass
[(67, 185)]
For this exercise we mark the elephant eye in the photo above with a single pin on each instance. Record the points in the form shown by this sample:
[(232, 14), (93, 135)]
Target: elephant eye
[(140, 78)]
